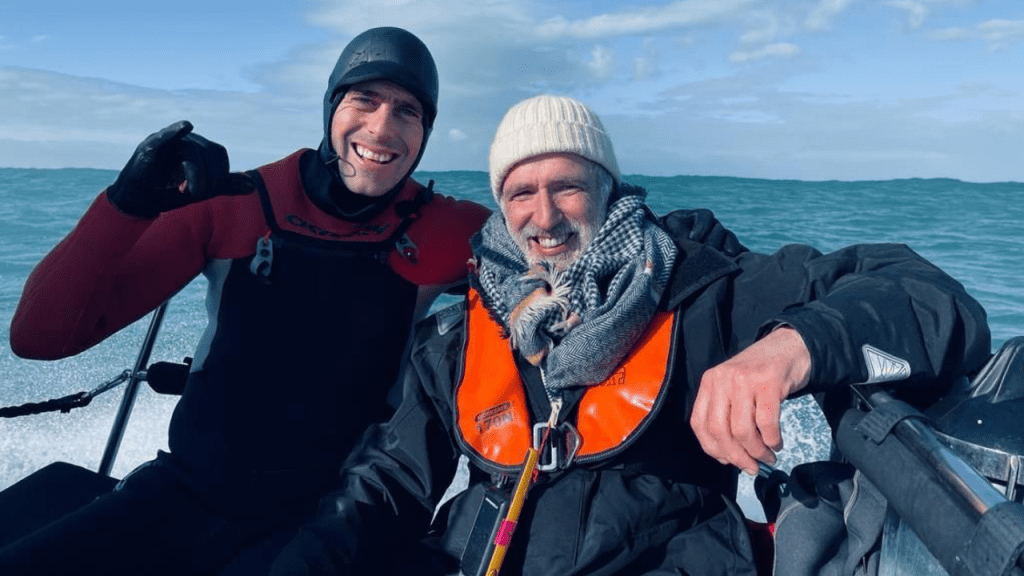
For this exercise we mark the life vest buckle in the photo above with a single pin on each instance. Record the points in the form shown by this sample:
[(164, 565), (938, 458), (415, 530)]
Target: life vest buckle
[(559, 452), (263, 259), (407, 248)]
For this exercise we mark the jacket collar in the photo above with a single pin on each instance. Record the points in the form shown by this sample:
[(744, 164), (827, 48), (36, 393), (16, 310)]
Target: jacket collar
[(696, 266)]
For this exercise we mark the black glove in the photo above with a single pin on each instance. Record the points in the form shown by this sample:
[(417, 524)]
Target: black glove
[(172, 168)]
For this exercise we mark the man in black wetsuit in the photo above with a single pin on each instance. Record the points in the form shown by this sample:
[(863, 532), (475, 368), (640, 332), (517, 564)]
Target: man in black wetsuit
[(317, 266)]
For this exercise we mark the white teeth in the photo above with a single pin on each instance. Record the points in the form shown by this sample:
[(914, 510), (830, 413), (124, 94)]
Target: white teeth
[(381, 157), (550, 242)]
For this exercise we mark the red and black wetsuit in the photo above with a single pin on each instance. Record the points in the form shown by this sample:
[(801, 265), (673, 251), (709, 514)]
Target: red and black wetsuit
[(309, 315), (306, 337)]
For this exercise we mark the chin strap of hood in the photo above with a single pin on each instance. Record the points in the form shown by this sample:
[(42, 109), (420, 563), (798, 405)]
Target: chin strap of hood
[(324, 187), (347, 204)]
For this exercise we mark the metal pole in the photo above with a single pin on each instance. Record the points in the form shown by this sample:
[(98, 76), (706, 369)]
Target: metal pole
[(974, 489), (970, 486), (130, 392)]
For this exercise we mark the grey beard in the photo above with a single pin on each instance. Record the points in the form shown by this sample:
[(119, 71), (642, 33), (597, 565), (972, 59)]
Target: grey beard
[(584, 234)]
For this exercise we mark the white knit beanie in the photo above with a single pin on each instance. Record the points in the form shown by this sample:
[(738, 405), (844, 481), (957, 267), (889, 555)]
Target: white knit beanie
[(545, 124)]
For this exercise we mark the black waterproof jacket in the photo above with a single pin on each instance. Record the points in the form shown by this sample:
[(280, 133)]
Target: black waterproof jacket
[(662, 506)]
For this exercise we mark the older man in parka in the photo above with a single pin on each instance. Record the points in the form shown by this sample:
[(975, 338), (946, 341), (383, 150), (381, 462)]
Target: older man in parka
[(644, 368)]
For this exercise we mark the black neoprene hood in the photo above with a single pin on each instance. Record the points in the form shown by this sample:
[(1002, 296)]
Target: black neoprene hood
[(385, 53)]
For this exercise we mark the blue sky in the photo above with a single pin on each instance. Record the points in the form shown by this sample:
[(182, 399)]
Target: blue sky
[(801, 89)]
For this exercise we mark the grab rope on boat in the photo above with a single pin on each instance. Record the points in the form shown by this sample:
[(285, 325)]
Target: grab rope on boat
[(66, 403), (162, 377)]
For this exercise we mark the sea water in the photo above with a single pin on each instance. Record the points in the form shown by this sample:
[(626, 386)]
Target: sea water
[(973, 231)]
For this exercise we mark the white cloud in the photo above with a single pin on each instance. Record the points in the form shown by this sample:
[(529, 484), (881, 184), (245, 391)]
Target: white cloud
[(780, 50), (685, 41), (767, 133), (824, 14), (644, 68), (602, 62), (917, 11), (765, 33), (303, 73), (647, 20), (997, 33), (645, 64), (457, 135), (350, 17), (1000, 33), (110, 119), (951, 34)]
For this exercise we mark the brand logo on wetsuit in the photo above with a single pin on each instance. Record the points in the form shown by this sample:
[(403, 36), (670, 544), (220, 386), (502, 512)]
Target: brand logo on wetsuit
[(494, 417), (364, 230)]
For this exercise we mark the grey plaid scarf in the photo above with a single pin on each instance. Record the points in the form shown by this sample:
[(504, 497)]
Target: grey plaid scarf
[(579, 324)]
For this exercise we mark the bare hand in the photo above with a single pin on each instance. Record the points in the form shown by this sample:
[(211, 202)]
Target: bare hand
[(739, 403)]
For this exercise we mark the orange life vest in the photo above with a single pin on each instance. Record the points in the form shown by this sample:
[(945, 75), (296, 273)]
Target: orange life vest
[(491, 410)]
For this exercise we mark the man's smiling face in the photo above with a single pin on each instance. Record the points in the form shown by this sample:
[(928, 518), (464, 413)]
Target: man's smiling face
[(377, 132), (553, 207)]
